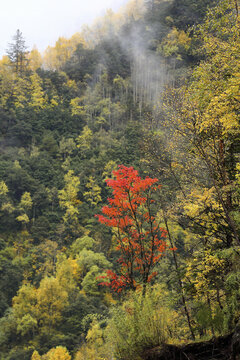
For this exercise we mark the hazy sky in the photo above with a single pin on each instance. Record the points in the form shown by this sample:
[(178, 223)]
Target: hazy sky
[(43, 21)]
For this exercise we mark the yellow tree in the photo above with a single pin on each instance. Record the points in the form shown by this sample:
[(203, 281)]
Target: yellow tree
[(77, 106), (38, 99), (205, 274), (35, 59), (20, 93), (205, 120), (39, 310), (52, 298), (195, 152), (134, 9), (68, 197), (3, 188), (67, 273), (203, 139), (93, 195), (55, 57), (84, 140), (35, 356), (7, 77), (58, 353), (25, 310), (24, 207), (5, 203)]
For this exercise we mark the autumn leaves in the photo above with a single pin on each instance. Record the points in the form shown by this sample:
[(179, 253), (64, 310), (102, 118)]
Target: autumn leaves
[(139, 239)]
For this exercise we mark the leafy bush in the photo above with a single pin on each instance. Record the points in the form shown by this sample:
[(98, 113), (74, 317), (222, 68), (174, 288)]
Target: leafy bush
[(141, 323)]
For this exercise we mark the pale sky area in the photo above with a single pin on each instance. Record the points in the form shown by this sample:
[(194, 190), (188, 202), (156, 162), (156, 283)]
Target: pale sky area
[(42, 22)]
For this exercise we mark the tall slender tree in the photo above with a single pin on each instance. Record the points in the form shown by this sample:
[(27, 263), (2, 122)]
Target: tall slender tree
[(17, 52)]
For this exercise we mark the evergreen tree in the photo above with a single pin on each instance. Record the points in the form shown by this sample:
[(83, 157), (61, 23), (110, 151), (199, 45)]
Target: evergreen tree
[(17, 52)]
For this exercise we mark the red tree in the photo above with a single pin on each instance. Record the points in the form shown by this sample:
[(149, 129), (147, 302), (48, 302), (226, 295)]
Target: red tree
[(139, 238)]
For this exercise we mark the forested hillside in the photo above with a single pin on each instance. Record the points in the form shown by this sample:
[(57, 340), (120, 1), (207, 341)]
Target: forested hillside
[(120, 184)]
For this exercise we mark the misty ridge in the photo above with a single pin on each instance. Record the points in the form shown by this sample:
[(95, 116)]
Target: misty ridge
[(149, 71), (128, 39), (113, 40)]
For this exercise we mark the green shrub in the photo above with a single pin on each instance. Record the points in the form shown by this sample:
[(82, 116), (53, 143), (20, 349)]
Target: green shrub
[(140, 324)]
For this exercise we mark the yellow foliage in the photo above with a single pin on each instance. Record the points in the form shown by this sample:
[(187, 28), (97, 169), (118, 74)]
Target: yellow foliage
[(3, 188), (8, 207), (87, 353), (26, 201), (111, 22), (58, 353), (20, 92), (134, 9), (108, 299), (41, 308), (95, 335), (24, 206), (108, 169), (85, 139), (35, 59), (204, 271), (68, 198), (25, 302), (51, 300), (205, 129), (17, 164), (8, 78), (176, 42), (23, 218), (35, 356), (38, 99), (203, 206), (54, 101), (238, 173), (71, 84), (68, 273), (49, 250), (217, 82), (95, 347), (93, 196), (77, 106), (4, 62), (55, 57)]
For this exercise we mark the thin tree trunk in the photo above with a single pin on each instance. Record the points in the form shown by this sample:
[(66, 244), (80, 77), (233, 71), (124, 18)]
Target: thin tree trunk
[(179, 280), (210, 309), (237, 10)]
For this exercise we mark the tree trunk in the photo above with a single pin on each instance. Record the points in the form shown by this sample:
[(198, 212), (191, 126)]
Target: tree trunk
[(184, 303)]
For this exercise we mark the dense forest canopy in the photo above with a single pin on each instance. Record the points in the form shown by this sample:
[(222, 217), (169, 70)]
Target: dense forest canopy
[(120, 166)]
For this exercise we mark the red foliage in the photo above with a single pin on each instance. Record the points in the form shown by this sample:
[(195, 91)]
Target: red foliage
[(139, 239)]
